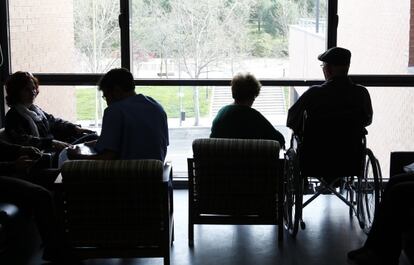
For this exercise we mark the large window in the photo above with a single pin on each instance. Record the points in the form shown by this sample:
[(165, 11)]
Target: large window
[(183, 53), (216, 38)]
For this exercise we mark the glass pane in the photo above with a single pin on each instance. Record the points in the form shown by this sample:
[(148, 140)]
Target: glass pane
[(80, 36), (216, 38), (379, 35), (184, 123), (392, 128)]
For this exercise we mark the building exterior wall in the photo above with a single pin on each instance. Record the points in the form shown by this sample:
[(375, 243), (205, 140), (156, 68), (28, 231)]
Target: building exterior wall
[(304, 48), (411, 48), (378, 34), (42, 41)]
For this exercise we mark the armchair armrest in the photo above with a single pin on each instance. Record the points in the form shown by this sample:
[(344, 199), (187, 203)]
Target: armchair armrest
[(167, 173)]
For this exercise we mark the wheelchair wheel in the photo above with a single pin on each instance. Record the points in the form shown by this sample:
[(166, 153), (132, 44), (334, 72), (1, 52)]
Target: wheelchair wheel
[(293, 193), (368, 191)]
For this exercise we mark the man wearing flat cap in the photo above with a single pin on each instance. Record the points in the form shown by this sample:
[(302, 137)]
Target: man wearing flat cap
[(337, 95)]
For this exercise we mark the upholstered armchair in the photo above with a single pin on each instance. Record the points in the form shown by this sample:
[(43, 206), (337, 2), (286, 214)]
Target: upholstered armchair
[(235, 181), (118, 209)]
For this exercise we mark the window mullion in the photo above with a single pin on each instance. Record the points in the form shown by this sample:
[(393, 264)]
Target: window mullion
[(5, 48), (125, 28), (332, 23)]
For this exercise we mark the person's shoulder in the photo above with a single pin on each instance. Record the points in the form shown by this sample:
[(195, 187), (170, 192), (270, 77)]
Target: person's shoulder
[(313, 90), (12, 111), (13, 114), (361, 89), (358, 86), (148, 100)]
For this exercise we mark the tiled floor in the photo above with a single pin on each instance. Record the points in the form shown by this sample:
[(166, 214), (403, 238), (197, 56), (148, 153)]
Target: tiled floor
[(329, 235)]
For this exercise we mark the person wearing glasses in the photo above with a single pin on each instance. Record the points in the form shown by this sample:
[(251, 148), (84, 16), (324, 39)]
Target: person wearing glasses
[(28, 125), (336, 95), (134, 126)]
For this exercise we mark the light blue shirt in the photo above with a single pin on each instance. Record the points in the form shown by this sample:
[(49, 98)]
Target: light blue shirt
[(135, 128)]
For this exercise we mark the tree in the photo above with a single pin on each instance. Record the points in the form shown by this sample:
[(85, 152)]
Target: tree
[(96, 34), (206, 32), (195, 34)]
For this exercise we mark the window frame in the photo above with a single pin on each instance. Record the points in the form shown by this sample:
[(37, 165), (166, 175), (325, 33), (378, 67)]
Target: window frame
[(49, 79)]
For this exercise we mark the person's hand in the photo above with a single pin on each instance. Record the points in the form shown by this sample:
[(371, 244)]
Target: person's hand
[(30, 151), (23, 164), (59, 145), (90, 144), (80, 130), (74, 152)]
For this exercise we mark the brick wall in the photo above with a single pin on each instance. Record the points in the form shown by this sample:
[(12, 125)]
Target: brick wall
[(42, 41)]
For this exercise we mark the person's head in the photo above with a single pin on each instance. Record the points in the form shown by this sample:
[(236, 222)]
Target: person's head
[(336, 62), (245, 88), (21, 88), (117, 84)]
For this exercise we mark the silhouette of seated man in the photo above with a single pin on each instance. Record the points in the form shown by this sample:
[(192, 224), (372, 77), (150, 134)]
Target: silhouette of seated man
[(393, 217), (332, 117), (240, 120), (134, 126)]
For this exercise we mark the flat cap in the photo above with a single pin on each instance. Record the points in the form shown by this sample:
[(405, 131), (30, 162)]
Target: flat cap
[(336, 56)]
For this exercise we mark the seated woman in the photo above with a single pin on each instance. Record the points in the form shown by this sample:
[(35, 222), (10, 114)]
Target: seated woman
[(240, 120), (28, 125)]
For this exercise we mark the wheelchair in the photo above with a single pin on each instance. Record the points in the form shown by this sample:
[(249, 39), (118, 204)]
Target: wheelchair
[(335, 157)]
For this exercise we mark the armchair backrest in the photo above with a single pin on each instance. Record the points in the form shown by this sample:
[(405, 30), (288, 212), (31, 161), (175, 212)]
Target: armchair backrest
[(235, 176), (114, 203)]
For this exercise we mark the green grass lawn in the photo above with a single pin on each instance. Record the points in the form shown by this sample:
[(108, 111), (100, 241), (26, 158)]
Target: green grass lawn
[(167, 96)]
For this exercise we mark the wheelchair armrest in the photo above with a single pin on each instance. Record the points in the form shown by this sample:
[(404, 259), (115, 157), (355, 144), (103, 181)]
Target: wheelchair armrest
[(398, 160)]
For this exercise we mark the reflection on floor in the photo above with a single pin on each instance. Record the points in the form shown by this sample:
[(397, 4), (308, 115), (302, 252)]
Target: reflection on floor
[(329, 235)]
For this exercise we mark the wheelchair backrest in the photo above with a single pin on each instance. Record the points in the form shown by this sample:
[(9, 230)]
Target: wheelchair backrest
[(332, 145)]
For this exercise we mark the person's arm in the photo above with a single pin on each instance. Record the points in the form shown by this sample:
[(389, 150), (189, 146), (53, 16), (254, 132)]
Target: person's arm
[(60, 128), (108, 144), (367, 108), (75, 153), (18, 131), (295, 114), (270, 132), (15, 158)]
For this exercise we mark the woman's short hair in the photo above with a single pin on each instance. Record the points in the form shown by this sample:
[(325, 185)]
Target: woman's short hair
[(117, 77), (18, 82), (245, 86)]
